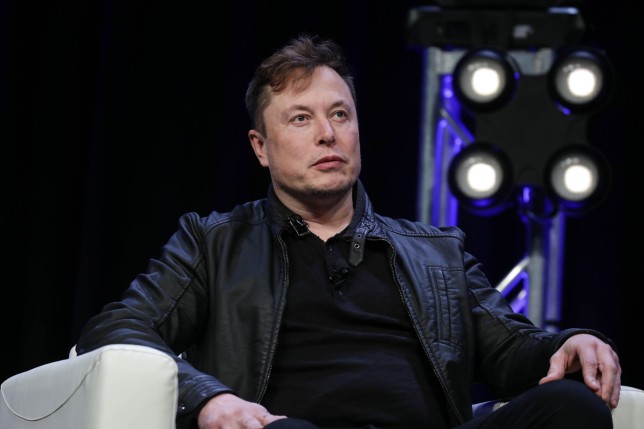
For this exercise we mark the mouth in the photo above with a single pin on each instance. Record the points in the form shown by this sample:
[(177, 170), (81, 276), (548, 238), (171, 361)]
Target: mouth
[(328, 162)]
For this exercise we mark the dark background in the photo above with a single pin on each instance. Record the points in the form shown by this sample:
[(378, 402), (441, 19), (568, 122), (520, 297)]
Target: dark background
[(118, 116)]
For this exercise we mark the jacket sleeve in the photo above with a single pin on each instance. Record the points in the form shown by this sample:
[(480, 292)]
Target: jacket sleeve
[(164, 308), (511, 353)]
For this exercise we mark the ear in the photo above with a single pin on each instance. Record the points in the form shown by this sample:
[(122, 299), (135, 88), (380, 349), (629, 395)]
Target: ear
[(259, 146)]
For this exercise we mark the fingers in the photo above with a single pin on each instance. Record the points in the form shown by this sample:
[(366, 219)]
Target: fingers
[(609, 374), (602, 372), (614, 397), (557, 368), (270, 418), (590, 368), (599, 364), (227, 411)]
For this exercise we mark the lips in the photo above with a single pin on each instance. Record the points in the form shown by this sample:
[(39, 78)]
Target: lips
[(328, 161)]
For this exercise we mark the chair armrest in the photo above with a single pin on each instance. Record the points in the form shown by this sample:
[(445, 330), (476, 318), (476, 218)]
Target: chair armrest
[(629, 413), (116, 386)]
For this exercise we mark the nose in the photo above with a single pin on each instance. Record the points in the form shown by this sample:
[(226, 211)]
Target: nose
[(326, 133)]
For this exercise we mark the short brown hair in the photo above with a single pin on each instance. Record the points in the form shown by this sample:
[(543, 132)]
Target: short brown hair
[(298, 60)]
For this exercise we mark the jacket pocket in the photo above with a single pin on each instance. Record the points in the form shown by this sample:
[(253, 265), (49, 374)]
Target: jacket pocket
[(449, 304)]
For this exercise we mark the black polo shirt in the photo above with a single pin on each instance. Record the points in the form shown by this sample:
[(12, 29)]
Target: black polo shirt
[(347, 355)]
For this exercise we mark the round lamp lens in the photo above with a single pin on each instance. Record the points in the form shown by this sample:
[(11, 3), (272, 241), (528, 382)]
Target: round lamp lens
[(485, 79), (582, 83), (580, 80), (574, 177), (486, 83), (579, 179), (482, 178)]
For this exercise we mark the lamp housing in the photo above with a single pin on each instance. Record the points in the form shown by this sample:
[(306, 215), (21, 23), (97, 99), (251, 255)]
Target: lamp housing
[(485, 79), (580, 79), (480, 177), (578, 177)]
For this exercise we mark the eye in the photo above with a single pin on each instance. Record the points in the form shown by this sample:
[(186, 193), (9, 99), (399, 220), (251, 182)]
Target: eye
[(340, 114), (299, 118)]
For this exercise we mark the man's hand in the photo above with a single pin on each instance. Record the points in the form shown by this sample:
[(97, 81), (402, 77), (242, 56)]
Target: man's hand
[(227, 411), (598, 362)]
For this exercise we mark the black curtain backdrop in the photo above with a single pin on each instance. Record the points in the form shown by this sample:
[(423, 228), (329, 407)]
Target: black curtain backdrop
[(118, 116)]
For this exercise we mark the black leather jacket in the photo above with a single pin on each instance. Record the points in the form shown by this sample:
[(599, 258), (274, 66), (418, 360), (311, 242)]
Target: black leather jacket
[(218, 291)]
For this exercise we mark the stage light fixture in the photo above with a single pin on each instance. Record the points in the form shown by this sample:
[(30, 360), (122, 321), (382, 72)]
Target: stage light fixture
[(484, 79), (578, 177), (530, 98), (580, 79), (480, 177)]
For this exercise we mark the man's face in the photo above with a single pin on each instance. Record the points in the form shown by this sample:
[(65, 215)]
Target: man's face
[(312, 143)]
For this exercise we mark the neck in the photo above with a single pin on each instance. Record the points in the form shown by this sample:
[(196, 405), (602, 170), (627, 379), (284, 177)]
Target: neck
[(327, 230), (325, 217)]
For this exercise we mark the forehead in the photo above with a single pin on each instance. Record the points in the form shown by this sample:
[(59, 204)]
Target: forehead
[(322, 81)]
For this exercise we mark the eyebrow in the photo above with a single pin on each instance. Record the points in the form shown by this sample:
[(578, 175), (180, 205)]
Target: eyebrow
[(339, 103)]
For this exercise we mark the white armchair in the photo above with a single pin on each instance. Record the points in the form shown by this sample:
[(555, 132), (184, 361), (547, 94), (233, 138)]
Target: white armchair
[(116, 386), (134, 387)]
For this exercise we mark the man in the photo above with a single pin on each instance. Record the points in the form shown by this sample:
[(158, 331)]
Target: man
[(307, 309)]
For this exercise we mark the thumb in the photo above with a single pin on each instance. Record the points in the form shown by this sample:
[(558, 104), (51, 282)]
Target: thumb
[(556, 370)]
